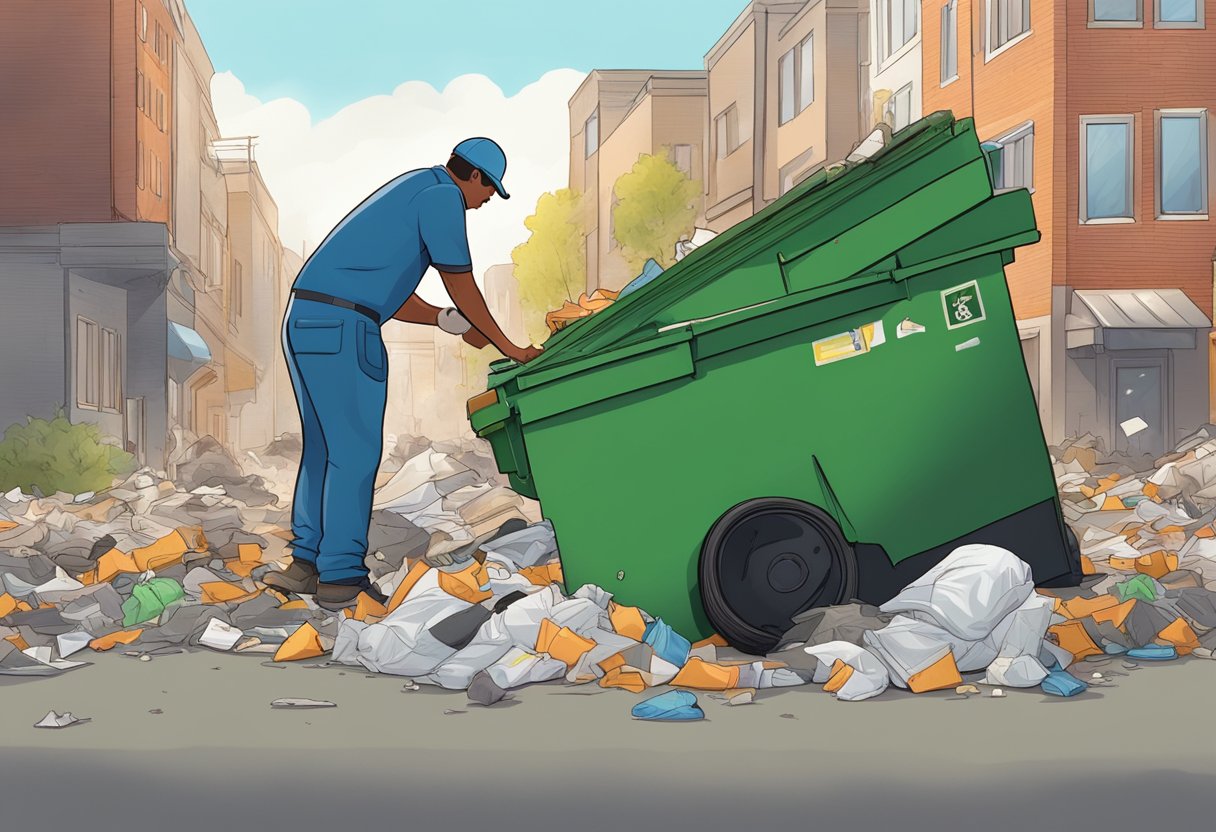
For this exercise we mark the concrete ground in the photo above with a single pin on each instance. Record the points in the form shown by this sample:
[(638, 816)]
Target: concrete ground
[(1135, 754)]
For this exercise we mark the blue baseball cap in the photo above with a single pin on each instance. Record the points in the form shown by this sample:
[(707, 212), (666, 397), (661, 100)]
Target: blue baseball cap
[(485, 155)]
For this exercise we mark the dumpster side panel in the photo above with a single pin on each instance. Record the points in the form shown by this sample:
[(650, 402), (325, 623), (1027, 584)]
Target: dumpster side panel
[(922, 439)]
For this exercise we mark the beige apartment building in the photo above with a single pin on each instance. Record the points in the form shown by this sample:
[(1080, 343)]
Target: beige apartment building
[(785, 82), (615, 117), (253, 299)]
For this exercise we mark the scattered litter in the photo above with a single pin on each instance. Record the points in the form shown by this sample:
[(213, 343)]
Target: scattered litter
[(64, 720), (1153, 653), (1063, 683), (301, 704), (997, 693), (966, 690), (483, 690)]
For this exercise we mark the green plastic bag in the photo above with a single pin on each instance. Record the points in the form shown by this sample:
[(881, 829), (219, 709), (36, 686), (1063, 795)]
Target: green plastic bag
[(1140, 587), (149, 599)]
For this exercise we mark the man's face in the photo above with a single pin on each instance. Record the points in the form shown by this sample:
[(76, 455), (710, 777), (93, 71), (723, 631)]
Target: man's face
[(480, 191)]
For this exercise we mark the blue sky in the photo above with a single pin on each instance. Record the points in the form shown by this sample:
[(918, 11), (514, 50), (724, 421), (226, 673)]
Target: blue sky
[(329, 53)]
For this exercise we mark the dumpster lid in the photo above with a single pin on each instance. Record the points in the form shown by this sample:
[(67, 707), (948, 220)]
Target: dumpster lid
[(638, 315)]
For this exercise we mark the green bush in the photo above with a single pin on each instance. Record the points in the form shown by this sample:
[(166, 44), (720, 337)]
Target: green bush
[(57, 455)]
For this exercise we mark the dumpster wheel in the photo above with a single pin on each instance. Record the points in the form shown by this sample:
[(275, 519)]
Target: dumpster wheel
[(765, 561)]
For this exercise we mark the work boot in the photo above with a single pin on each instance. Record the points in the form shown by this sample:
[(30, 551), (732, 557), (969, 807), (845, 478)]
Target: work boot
[(300, 578), (336, 597)]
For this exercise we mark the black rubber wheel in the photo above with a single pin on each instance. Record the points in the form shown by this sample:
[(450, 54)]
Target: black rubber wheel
[(765, 561)]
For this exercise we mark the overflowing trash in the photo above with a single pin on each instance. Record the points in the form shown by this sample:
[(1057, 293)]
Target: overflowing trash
[(587, 305), (476, 599)]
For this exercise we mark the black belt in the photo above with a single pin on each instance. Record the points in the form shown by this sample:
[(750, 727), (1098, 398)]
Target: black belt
[(321, 297)]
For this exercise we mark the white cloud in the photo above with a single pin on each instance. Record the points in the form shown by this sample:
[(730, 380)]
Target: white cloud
[(318, 172)]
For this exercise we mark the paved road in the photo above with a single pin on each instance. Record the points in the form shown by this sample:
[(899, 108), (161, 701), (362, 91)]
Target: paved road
[(1138, 754)]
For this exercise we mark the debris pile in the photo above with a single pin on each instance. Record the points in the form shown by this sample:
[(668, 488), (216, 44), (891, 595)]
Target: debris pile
[(587, 305)]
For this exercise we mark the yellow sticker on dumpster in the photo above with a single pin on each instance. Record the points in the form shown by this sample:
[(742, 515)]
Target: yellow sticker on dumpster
[(849, 344)]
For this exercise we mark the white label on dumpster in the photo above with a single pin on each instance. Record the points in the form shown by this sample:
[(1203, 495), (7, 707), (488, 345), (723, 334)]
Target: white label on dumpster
[(849, 344), (963, 305)]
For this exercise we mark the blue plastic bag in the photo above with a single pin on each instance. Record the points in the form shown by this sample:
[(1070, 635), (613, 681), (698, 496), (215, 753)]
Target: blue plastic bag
[(1063, 683), (669, 645), (673, 706), (649, 272), (1153, 653)]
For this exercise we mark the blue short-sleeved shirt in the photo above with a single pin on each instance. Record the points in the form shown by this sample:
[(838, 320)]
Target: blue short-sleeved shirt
[(377, 255)]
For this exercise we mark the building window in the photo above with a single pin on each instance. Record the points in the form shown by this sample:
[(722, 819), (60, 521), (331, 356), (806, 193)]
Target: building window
[(175, 396), (681, 157), (1007, 21), (591, 134), (726, 131), (949, 43), (143, 23), (1106, 168), (1179, 14), (898, 110), (1182, 170), (236, 293), (157, 183), (87, 363), (1115, 11), (796, 70), (110, 375), (785, 92), (139, 164), (139, 89), (900, 18), (1014, 166), (806, 72)]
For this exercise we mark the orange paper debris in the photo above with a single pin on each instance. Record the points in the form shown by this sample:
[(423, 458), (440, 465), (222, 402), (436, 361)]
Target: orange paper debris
[(368, 607), (1085, 607), (562, 643), (550, 573), (1112, 504), (715, 640), (1087, 566), (631, 682), (304, 643), (5, 525), (407, 583), (841, 673), (164, 552), (627, 621), (240, 567), (114, 639), (467, 583), (294, 605), (222, 592), (18, 641), (1206, 532), (940, 675), (8, 604), (1115, 615), (1181, 636), (1072, 636), (1157, 564), (249, 552), (702, 675), (114, 563)]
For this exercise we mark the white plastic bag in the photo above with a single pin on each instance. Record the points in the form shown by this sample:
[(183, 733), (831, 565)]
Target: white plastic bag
[(969, 592), (870, 676)]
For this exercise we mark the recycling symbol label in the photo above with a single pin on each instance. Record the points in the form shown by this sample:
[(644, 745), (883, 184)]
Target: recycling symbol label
[(963, 305)]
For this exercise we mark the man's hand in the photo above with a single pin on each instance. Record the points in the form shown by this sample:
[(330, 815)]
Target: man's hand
[(523, 354), (475, 339)]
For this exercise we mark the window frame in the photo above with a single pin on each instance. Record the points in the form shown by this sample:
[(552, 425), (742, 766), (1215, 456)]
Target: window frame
[(588, 150), (889, 55), (1128, 120), (86, 370), (949, 32), (1198, 23), (730, 118), (675, 157), (801, 49), (1022, 131), (790, 60), (1138, 23), (236, 292), (143, 23), (989, 52), (890, 105), (1201, 115)]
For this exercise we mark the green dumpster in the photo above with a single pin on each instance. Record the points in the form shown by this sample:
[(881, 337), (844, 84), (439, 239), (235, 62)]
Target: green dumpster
[(818, 405)]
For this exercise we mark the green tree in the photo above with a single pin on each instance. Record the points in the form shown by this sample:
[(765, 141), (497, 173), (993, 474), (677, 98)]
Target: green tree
[(656, 205), (551, 265), (57, 455)]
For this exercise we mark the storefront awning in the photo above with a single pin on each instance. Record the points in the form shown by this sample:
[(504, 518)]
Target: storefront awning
[(1134, 319), (187, 345)]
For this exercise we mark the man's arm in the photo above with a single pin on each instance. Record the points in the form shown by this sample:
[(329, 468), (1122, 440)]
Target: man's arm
[(417, 311), (468, 299)]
